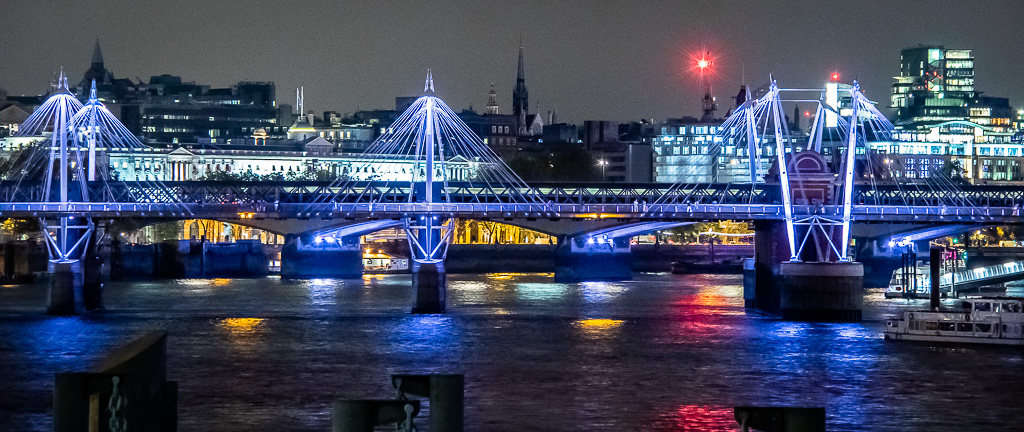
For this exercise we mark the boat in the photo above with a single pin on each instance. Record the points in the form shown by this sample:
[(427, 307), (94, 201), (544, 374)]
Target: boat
[(919, 286), (983, 320), (916, 287), (381, 263)]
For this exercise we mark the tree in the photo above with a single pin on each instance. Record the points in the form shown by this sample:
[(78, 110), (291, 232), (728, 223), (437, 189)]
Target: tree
[(951, 172)]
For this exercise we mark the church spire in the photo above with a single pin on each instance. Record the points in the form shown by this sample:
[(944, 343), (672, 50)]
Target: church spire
[(520, 96), (97, 55), (492, 101)]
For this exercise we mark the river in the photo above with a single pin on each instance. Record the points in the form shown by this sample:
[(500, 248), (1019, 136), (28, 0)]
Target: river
[(661, 353)]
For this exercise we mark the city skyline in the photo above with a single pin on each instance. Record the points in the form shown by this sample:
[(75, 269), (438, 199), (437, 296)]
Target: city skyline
[(606, 61)]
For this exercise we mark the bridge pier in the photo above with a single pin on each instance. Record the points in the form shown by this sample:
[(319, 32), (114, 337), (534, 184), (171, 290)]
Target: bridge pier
[(430, 285), (579, 259), (308, 257), (800, 291), (67, 282)]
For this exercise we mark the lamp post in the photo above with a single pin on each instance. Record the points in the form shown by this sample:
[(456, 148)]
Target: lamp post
[(602, 163)]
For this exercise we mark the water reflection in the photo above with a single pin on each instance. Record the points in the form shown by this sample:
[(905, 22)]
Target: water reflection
[(665, 353), (539, 292), (598, 328), (697, 418), (596, 292), (246, 336)]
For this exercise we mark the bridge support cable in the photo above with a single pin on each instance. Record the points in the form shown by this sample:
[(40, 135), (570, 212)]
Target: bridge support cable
[(65, 170)]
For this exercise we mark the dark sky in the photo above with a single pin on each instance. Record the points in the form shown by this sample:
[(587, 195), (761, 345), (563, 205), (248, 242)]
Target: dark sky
[(617, 60)]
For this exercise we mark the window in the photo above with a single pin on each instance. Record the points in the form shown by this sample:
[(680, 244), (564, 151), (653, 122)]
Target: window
[(506, 129)]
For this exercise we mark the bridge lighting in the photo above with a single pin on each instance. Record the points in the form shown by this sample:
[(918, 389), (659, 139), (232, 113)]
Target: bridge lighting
[(330, 239), (1009, 264), (979, 270), (318, 239), (590, 240)]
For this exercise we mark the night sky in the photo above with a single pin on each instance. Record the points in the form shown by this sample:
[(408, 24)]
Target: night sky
[(616, 60)]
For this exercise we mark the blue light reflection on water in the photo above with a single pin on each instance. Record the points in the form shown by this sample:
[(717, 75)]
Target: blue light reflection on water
[(661, 352)]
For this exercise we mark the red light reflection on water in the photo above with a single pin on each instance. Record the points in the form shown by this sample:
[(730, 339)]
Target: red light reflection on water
[(698, 418)]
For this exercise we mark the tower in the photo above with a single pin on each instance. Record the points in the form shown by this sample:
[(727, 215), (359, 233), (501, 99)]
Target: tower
[(492, 101), (520, 97), (97, 72)]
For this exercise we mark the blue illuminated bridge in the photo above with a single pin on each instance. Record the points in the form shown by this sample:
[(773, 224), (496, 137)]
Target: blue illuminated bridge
[(378, 200), (804, 208)]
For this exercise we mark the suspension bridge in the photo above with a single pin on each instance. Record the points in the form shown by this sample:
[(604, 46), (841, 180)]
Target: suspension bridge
[(63, 182)]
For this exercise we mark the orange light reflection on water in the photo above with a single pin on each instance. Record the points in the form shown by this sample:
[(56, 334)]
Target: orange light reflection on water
[(241, 326)]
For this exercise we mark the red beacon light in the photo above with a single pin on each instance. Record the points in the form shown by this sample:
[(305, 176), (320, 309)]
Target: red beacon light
[(835, 76)]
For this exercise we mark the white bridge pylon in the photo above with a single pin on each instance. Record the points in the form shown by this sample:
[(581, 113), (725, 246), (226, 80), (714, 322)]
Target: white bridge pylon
[(70, 166), (431, 148), (760, 121)]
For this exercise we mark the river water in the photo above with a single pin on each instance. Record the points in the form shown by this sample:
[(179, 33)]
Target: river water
[(662, 353)]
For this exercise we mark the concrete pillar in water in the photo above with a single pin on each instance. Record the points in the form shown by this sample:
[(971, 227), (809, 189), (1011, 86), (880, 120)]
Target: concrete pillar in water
[(828, 292), (430, 284), (760, 287), (305, 257), (67, 281), (584, 258)]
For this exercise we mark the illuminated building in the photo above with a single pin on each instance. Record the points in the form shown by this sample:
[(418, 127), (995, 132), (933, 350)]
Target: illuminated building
[(941, 119), (934, 85)]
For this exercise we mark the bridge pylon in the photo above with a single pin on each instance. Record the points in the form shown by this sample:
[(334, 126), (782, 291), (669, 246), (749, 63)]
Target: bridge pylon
[(65, 170), (809, 276), (425, 149)]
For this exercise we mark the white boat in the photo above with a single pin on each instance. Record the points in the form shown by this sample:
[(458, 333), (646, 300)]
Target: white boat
[(985, 320), (918, 286)]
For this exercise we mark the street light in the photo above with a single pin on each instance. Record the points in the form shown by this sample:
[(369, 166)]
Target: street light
[(602, 163)]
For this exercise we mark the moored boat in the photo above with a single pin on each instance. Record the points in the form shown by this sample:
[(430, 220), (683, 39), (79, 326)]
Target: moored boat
[(985, 320)]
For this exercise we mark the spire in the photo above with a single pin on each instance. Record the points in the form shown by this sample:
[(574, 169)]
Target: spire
[(519, 73), (520, 96), (97, 54), (428, 85), (492, 101)]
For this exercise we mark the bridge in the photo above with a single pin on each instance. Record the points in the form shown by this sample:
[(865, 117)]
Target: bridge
[(802, 202), (966, 280)]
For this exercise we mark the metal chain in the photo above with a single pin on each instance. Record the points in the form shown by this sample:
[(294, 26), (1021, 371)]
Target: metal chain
[(116, 403)]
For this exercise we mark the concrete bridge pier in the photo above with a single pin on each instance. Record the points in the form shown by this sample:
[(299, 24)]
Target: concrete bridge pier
[(800, 291), (76, 284), (597, 258), (67, 282), (311, 256), (430, 285), (428, 236)]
